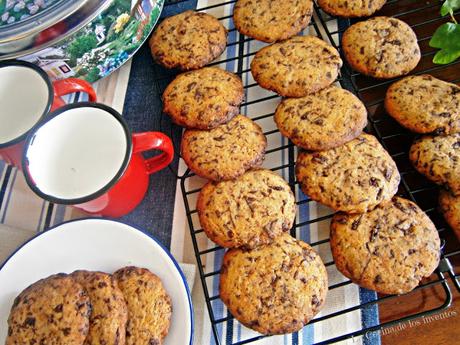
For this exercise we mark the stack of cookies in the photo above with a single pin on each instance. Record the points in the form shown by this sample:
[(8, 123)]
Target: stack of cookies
[(92, 308), (218, 144), (270, 281), (430, 106)]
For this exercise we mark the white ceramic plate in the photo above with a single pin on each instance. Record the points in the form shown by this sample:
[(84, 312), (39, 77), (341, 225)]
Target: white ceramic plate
[(96, 244)]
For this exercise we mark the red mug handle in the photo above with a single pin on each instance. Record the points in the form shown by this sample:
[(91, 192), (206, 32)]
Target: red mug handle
[(154, 141), (68, 86)]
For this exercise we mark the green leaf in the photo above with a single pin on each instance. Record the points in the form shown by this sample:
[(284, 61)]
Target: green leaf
[(446, 38), (445, 56), (449, 6)]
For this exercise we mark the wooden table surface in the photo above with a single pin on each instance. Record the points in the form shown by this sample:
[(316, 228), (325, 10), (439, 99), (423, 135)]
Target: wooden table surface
[(441, 328)]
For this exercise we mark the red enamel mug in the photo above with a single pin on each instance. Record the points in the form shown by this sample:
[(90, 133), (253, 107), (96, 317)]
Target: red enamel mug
[(26, 96), (84, 155)]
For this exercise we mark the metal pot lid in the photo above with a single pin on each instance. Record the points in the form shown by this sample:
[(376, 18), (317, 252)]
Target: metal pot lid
[(27, 26)]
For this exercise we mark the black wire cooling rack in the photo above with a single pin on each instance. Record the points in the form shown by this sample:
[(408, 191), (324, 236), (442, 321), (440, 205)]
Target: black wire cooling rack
[(424, 18)]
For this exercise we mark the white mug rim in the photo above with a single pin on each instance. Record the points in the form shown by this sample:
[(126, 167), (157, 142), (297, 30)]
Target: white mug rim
[(101, 191), (49, 85)]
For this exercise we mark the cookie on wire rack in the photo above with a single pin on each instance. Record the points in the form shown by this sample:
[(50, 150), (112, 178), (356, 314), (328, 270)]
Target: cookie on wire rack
[(246, 212), (389, 249), (323, 120), (425, 104), (296, 67), (353, 178), (272, 21), (203, 99), (225, 152), (275, 288), (450, 208), (189, 40), (438, 158), (381, 47), (351, 8)]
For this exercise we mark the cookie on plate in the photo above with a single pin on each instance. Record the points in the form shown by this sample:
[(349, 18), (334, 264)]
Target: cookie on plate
[(107, 324), (296, 67), (252, 210), (149, 306), (323, 120), (351, 8), (189, 40), (275, 288), (438, 158), (272, 21), (204, 98), (225, 152), (353, 178), (425, 104), (389, 249), (52, 311), (450, 208), (381, 47)]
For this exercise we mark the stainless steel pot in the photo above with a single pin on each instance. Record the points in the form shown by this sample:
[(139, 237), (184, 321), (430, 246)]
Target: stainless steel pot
[(48, 26), (49, 33)]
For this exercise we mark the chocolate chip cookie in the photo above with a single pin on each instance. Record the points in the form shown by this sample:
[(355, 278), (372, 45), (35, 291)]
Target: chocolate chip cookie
[(149, 306), (107, 324), (252, 210), (225, 152), (353, 178), (389, 249), (425, 104), (450, 208), (189, 40), (296, 67), (275, 288), (204, 98), (323, 120), (52, 311), (438, 158), (272, 21), (351, 8), (381, 47)]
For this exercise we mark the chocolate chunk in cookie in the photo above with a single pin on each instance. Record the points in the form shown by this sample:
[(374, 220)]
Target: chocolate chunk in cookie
[(203, 99), (381, 47), (323, 120), (389, 249), (225, 152), (296, 67), (189, 40), (353, 178), (275, 288)]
